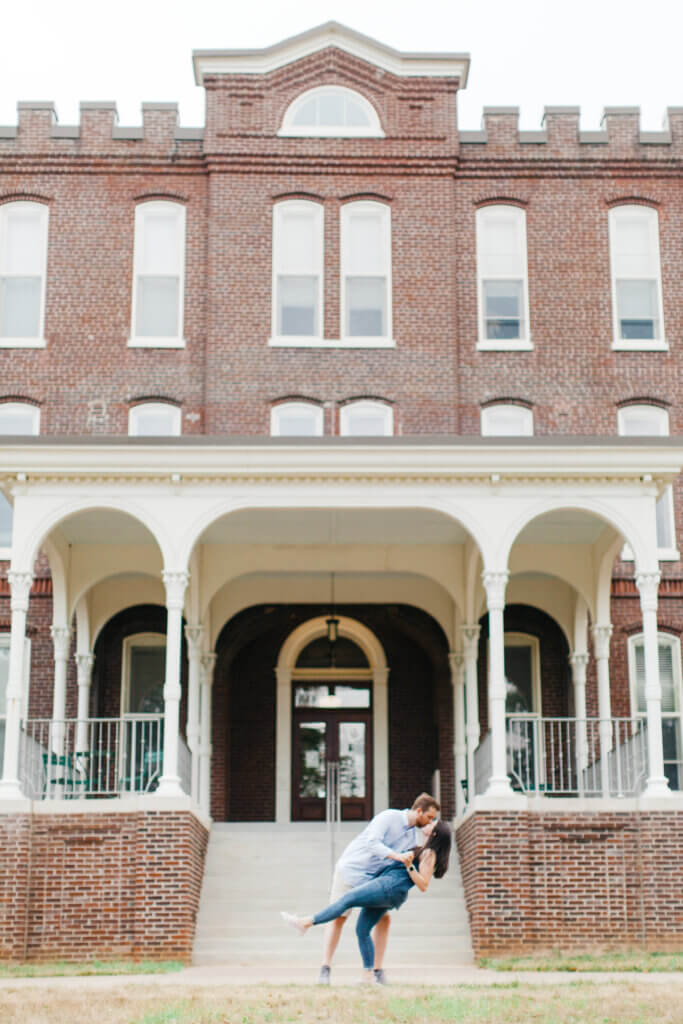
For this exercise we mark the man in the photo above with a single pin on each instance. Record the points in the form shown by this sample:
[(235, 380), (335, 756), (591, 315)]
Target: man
[(389, 836)]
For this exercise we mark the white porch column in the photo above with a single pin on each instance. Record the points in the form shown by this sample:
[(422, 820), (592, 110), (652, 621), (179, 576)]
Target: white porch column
[(175, 583), (283, 743), (380, 738), (495, 584), (84, 667), (208, 662), (194, 635), (579, 664), (61, 641), (457, 664), (20, 587), (657, 782), (470, 648), (602, 633)]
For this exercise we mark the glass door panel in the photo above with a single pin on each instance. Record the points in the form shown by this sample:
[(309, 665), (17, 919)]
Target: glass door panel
[(352, 759), (312, 760)]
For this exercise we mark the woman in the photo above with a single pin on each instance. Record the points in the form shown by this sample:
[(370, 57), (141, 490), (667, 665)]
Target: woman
[(386, 891)]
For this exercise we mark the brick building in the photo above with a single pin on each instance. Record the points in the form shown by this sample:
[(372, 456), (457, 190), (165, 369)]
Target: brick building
[(336, 435)]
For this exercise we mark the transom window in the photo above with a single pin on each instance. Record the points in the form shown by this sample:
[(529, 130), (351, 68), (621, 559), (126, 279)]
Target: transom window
[(507, 420), (331, 111), (636, 277), (158, 275), (366, 418), (642, 420), (23, 264), (18, 419), (296, 419), (366, 270), (154, 419), (670, 681), (502, 277), (297, 269)]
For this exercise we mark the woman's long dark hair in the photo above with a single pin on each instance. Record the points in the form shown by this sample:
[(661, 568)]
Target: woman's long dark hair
[(440, 842)]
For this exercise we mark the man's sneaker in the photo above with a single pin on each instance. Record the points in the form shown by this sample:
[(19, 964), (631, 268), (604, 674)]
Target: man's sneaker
[(324, 976), (293, 921), (379, 977)]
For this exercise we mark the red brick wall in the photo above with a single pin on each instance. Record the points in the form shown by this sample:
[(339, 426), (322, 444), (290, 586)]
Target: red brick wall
[(572, 880), (83, 886)]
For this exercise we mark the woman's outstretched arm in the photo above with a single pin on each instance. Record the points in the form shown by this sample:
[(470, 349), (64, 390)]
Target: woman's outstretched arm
[(423, 876)]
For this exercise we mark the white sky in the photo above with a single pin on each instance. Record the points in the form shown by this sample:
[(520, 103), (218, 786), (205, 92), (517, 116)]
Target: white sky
[(528, 53)]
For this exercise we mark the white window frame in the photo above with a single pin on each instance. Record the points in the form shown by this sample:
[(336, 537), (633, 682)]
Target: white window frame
[(349, 408), (129, 642), (660, 428), (348, 210), (175, 416), (524, 342), (663, 639), (276, 413), (372, 130), (636, 344), (317, 212), (142, 210), (34, 410), (44, 214), (488, 415)]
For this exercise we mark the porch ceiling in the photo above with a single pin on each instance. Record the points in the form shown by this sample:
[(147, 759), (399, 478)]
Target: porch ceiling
[(335, 526), (565, 526), (104, 526)]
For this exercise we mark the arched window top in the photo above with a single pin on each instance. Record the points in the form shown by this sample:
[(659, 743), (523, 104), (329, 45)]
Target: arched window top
[(642, 420), (347, 654), (296, 419), (154, 419), (19, 418), (331, 110), (505, 419), (366, 418)]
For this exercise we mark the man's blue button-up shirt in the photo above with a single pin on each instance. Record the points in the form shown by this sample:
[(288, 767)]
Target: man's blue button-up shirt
[(366, 855)]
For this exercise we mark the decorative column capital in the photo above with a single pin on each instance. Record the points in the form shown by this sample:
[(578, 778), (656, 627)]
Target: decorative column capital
[(456, 660), (602, 635), (470, 640), (495, 583), (208, 662), (648, 587), (20, 588), (61, 639), (194, 635), (175, 582), (84, 666), (579, 661)]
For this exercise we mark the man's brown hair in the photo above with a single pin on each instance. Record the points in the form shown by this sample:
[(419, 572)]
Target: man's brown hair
[(424, 801)]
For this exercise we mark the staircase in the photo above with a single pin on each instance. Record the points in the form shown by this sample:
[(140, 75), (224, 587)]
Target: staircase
[(253, 871)]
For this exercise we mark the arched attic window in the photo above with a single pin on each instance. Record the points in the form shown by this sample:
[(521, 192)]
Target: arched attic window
[(332, 111), (505, 419), (366, 418), (154, 419), (296, 419)]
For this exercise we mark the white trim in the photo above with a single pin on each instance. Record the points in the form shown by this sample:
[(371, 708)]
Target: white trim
[(23, 408), (659, 419), (317, 418), (317, 213), (346, 412), (293, 342), (129, 642), (523, 342), (372, 130), (175, 418), (44, 216), (526, 416), (347, 211), (286, 669), (142, 210), (649, 215), (518, 639)]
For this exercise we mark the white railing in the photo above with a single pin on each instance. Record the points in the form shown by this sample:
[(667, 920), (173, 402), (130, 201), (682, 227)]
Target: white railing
[(577, 757), (93, 757)]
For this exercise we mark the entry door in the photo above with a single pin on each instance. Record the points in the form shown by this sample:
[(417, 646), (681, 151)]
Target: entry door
[(321, 736)]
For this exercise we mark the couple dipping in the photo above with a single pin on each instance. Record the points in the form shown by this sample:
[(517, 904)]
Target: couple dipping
[(375, 872)]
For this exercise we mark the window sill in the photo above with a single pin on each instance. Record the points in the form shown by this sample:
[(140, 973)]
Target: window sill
[(641, 345), (282, 341), (156, 343), (663, 555), (23, 343), (509, 345)]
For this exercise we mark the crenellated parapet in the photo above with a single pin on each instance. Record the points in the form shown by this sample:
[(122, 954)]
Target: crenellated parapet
[(620, 136), (38, 132)]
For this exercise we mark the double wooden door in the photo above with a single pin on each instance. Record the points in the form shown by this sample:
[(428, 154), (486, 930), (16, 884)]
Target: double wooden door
[(340, 736)]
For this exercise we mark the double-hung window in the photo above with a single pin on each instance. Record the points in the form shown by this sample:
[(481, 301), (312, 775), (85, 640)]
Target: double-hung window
[(672, 698), (636, 277), (296, 419), (23, 264), (158, 275), (507, 420), (652, 421), (154, 419), (366, 418), (16, 419), (366, 273), (502, 278), (297, 271)]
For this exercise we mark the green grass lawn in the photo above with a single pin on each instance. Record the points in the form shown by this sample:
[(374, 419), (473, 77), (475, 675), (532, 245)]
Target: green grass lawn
[(64, 969), (609, 960)]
